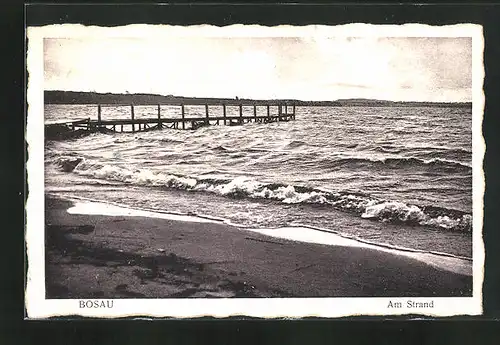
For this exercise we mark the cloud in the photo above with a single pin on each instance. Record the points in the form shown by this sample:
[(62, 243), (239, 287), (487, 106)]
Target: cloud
[(311, 68)]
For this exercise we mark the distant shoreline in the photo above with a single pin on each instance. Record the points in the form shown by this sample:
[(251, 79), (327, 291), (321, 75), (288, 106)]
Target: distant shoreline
[(77, 97)]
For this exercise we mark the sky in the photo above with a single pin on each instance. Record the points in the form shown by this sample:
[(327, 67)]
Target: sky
[(307, 68)]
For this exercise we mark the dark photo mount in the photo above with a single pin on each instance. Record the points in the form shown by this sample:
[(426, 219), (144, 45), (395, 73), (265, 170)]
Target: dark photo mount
[(321, 14)]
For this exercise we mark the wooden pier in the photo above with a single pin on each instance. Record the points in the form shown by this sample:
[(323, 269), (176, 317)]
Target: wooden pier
[(271, 113)]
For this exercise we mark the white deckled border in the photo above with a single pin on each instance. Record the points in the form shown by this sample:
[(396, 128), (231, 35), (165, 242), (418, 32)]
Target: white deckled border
[(39, 307), (239, 30)]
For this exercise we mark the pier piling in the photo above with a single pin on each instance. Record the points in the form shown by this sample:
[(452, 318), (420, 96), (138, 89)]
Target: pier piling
[(157, 121), (183, 117), (98, 115), (133, 116), (159, 118)]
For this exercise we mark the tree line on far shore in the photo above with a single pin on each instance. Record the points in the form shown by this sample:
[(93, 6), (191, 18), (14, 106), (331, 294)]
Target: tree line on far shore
[(80, 97)]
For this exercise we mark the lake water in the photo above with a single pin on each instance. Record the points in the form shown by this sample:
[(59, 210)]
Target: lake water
[(397, 176)]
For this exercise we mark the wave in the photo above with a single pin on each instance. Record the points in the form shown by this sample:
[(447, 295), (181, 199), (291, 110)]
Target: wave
[(170, 141), (403, 162), (67, 163), (295, 144), (221, 148), (364, 205), (388, 149), (428, 150), (456, 153)]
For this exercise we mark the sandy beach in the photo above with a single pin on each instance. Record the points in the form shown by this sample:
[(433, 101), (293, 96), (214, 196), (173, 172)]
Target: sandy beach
[(93, 256)]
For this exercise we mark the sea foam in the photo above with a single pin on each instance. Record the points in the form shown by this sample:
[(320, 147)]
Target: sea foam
[(366, 206)]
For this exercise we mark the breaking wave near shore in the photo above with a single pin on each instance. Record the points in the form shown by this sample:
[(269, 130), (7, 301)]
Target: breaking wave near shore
[(243, 187)]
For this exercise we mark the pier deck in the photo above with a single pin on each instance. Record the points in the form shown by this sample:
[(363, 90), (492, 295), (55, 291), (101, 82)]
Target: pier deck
[(285, 112)]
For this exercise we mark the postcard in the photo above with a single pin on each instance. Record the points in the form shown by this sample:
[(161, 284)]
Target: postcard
[(270, 172)]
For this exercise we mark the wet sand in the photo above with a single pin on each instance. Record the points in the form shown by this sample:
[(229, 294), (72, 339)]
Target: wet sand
[(89, 256)]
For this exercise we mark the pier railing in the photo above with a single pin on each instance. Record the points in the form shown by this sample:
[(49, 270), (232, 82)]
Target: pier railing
[(272, 113)]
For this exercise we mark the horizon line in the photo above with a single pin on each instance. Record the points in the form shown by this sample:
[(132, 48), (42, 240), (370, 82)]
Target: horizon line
[(256, 99)]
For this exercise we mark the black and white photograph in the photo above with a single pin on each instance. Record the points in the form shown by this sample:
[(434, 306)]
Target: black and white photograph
[(260, 171)]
